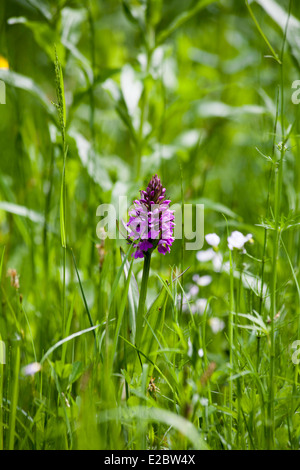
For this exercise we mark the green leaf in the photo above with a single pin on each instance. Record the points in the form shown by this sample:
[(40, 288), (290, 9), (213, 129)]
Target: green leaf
[(118, 276), (158, 415), (281, 16), (91, 161), (121, 310), (82, 292), (1, 264), (68, 338), (133, 297), (154, 321), (27, 84), (42, 8), (275, 56), (22, 211), (218, 109), (215, 206), (44, 35), (183, 18), (77, 369)]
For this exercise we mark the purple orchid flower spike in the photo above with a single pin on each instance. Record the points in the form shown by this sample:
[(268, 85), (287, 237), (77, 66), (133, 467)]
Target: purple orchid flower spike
[(151, 221)]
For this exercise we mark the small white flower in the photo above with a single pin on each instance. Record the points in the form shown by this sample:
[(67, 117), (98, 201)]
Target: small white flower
[(202, 280), (217, 262), (281, 147), (205, 255), (216, 325), (212, 239), (32, 368), (196, 307), (193, 291), (201, 305), (237, 240), (200, 352), (190, 348)]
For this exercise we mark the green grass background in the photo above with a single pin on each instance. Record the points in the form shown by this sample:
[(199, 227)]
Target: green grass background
[(199, 92)]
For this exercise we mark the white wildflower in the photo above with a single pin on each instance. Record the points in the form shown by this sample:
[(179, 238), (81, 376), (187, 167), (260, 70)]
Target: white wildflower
[(217, 262), (205, 255), (212, 239), (202, 280), (211, 255), (200, 352), (237, 240), (32, 368), (216, 325), (190, 348), (204, 401), (193, 291), (200, 305)]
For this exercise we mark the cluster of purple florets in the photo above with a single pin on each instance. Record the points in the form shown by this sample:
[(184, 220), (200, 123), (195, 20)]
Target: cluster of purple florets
[(151, 221)]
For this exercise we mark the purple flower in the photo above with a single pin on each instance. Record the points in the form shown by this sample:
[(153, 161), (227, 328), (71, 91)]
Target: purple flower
[(151, 222)]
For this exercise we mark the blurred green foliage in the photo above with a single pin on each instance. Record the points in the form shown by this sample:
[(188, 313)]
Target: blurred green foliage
[(188, 90)]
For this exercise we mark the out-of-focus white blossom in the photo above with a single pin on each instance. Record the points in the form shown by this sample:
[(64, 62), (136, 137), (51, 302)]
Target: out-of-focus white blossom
[(237, 240), (205, 255), (32, 368), (190, 348), (200, 352), (192, 292), (202, 280), (199, 306), (204, 401), (211, 255), (212, 239), (216, 325), (217, 262)]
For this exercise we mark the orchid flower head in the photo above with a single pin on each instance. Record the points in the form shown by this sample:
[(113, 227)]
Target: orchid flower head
[(151, 222)]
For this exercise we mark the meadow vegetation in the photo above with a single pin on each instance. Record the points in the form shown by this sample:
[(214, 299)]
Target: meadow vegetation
[(187, 349)]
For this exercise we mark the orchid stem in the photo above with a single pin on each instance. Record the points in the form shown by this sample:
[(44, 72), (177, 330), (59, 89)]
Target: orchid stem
[(143, 295)]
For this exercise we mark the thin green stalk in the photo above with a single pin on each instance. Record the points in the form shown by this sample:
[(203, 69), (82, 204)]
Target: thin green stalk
[(278, 187), (268, 211), (276, 242), (64, 243), (143, 106), (142, 298), (14, 399), (231, 346), (182, 233), (240, 381), (262, 33), (262, 276), (93, 61), (61, 107), (1, 395), (205, 359), (230, 338), (296, 369), (82, 293), (46, 215)]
